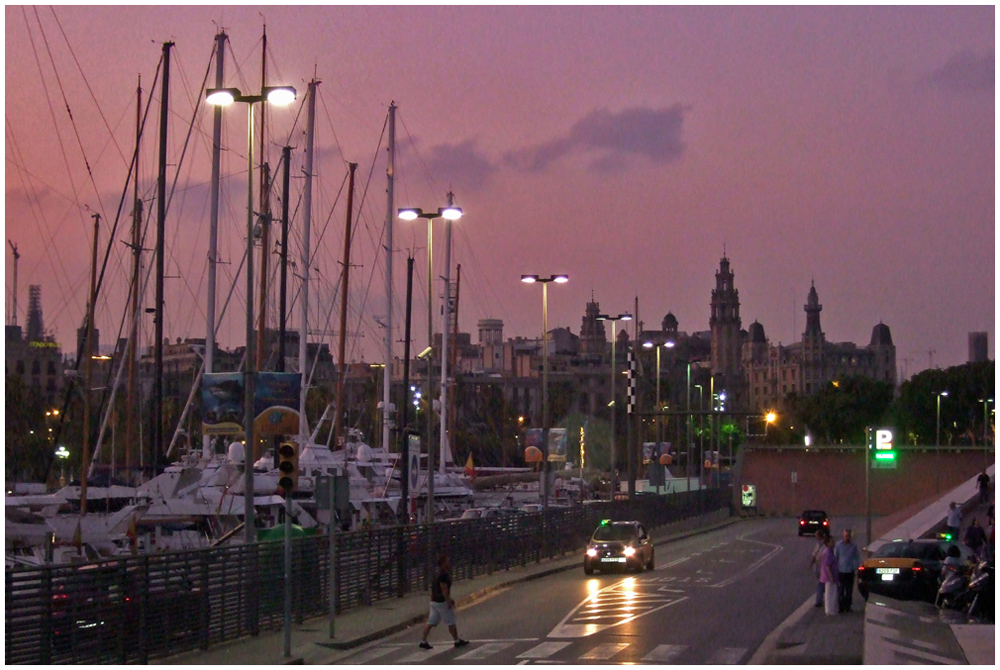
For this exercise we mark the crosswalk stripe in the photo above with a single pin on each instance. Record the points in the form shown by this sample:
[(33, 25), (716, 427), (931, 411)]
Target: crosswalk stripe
[(424, 654), (726, 656), (484, 651), (544, 650), (603, 652), (664, 653), (371, 654)]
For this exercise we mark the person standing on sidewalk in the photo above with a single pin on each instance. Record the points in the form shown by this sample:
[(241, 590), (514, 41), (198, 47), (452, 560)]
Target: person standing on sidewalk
[(975, 538), (814, 564), (442, 605), (848, 560), (954, 520), (828, 574), (983, 482)]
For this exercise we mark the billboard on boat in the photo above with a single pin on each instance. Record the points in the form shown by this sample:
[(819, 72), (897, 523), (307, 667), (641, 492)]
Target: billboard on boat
[(222, 403)]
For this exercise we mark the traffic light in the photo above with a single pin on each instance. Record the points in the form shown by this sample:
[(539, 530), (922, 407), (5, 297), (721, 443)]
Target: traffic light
[(288, 466)]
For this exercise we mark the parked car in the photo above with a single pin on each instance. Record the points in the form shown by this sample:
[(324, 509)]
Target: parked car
[(907, 569), (619, 545), (812, 520)]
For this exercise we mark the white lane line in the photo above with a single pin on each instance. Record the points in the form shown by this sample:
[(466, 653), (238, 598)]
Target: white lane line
[(544, 650), (372, 654), (423, 654), (664, 653), (726, 656), (753, 566), (603, 652), (484, 651)]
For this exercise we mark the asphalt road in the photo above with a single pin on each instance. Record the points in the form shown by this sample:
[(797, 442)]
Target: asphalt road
[(712, 598)]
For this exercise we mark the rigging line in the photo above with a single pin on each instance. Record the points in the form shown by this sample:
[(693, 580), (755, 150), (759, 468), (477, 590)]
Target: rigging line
[(374, 265), (333, 129), (433, 183), (87, 83), (40, 222), (55, 123), (69, 112)]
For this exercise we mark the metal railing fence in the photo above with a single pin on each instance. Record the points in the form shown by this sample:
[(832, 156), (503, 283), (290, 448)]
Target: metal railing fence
[(132, 609)]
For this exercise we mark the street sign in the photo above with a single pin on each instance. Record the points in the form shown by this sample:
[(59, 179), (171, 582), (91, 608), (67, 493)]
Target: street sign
[(881, 447), (749, 495)]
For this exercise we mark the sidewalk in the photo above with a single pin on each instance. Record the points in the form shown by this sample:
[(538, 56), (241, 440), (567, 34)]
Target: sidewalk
[(311, 642)]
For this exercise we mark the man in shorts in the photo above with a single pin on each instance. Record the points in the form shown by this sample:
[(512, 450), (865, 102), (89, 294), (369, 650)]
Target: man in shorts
[(442, 605)]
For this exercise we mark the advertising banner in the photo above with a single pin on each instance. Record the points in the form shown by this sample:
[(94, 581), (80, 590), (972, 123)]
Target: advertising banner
[(557, 444), (275, 403), (650, 452), (222, 403)]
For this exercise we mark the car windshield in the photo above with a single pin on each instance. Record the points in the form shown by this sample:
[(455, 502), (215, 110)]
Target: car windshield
[(615, 533), (813, 516), (921, 550)]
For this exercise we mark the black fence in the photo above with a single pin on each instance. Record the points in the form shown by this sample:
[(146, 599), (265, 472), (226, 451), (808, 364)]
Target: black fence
[(133, 609)]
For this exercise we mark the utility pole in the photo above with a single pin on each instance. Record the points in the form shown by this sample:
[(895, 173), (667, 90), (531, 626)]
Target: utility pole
[(17, 257)]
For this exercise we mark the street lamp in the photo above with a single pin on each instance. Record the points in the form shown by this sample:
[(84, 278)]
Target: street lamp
[(937, 440), (650, 344), (275, 95), (614, 337), (449, 214), (544, 281), (62, 454), (986, 425)]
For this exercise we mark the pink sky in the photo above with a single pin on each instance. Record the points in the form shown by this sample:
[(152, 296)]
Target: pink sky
[(627, 147)]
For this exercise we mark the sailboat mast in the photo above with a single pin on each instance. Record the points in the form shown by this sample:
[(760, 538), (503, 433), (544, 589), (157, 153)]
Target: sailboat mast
[(387, 412), (341, 348), (17, 257), (131, 404), (265, 215), (444, 338), (286, 158), (213, 226), (161, 215), (306, 226), (453, 325), (88, 353)]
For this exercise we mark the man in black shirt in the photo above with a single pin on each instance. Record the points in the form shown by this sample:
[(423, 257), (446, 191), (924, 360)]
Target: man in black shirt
[(442, 605), (983, 482)]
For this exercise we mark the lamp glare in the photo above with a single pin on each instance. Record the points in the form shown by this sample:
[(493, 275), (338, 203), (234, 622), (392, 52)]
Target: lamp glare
[(281, 95), (220, 96), (451, 213)]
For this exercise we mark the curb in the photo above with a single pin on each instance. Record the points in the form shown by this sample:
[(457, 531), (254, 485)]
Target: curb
[(770, 643), (470, 598)]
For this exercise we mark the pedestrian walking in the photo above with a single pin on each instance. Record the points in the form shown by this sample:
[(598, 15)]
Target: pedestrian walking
[(983, 482), (828, 575), (954, 520), (848, 560), (814, 564), (442, 605), (975, 538)]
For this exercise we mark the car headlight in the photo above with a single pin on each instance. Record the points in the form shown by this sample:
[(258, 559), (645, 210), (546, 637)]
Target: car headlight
[(591, 552), (629, 551)]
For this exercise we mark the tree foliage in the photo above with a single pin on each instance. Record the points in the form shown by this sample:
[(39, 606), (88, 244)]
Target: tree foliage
[(840, 411)]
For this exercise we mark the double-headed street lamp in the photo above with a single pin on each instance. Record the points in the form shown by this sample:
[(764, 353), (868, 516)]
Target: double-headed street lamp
[(449, 214), (276, 95), (544, 281), (651, 344), (614, 337)]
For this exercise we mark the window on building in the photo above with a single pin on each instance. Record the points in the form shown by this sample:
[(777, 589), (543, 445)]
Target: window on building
[(808, 388), (52, 367), (20, 367), (36, 368)]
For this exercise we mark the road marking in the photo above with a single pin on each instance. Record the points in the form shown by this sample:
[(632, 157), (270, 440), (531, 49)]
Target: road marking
[(484, 651), (372, 654), (726, 656), (613, 606), (603, 652), (424, 654), (753, 566), (664, 653), (544, 650)]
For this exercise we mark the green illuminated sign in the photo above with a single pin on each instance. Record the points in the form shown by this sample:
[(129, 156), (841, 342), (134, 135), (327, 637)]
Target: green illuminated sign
[(881, 447)]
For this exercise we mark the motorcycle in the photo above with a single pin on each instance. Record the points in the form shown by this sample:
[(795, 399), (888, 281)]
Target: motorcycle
[(967, 591)]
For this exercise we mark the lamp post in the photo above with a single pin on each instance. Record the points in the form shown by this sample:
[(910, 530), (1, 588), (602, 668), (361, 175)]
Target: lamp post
[(986, 425), (278, 95), (659, 419), (62, 454), (701, 433), (544, 281), (614, 337), (449, 214), (937, 441)]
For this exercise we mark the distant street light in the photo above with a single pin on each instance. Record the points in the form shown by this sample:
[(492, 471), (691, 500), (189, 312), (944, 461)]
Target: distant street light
[(544, 281), (937, 441), (651, 344), (62, 454), (614, 338)]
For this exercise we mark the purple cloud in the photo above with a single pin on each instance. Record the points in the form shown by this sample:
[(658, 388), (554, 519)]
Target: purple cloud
[(652, 133), (965, 72)]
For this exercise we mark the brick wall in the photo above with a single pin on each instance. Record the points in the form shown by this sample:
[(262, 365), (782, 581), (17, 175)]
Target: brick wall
[(834, 479)]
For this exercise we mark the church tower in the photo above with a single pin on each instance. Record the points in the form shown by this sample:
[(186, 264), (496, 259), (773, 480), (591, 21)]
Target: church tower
[(593, 337), (725, 323), (813, 341)]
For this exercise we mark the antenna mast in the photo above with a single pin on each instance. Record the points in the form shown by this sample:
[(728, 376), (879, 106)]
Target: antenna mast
[(17, 256)]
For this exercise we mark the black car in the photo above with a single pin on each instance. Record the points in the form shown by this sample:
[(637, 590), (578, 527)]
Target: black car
[(907, 569), (812, 520), (619, 545)]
